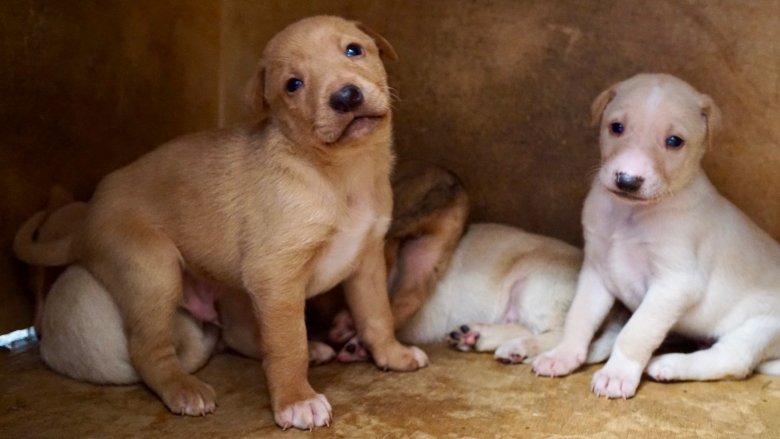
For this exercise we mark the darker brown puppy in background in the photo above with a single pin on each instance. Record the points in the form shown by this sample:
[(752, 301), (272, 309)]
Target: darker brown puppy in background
[(283, 210)]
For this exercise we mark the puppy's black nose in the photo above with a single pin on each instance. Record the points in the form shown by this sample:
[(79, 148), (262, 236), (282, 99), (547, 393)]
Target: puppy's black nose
[(628, 183), (346, 99)]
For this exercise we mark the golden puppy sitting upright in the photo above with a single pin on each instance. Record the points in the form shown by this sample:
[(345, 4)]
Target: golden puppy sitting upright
[(282, 210)]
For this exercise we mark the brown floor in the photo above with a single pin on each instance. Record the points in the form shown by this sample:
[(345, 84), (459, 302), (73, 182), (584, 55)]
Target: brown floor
[(458, 396)]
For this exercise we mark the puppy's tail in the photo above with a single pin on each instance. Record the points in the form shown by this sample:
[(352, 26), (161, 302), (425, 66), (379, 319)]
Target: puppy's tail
[(47, 254), (771, 367)]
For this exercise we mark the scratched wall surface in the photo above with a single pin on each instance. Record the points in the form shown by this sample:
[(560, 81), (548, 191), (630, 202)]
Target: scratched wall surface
[(497, 90)]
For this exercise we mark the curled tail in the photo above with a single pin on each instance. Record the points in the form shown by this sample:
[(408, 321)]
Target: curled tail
[(48, 254)]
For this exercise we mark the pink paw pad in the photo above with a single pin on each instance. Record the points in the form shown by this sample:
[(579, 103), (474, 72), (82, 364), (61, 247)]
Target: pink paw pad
[(463, 339)]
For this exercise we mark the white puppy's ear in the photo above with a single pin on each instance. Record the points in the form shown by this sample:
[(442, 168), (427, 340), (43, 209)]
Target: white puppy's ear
[(710, 113), (385, 49), (600, 103), (254, 94)]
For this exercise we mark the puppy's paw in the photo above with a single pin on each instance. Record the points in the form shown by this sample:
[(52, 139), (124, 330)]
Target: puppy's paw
[(400, 358), (464, 338), (613, 382), (557, 362), (665, 367), (342, 328), (352, 352), (305, 415), (189, 396), (517, 350), (320, 353)]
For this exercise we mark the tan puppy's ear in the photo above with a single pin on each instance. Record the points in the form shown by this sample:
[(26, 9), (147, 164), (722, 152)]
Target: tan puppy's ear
[(600, 103), (710, 113), (254, 94), (385, 49)]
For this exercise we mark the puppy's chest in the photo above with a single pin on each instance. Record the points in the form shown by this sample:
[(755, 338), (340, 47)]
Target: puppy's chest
[(624, 263), (360, 223)]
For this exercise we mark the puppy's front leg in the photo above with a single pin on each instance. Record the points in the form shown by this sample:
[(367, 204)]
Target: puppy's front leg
[(279, 305), (644, 332), (590, 306), (366, 295)]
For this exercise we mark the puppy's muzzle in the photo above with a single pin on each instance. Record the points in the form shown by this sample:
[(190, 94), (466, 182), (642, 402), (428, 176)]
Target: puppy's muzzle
[(628, 183), (347, 99)]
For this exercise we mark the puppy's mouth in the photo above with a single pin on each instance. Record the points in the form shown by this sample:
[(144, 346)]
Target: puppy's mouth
[(633, 198), (359, 126)]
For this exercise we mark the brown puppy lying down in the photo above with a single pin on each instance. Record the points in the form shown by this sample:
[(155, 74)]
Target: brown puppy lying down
[(280, 211)]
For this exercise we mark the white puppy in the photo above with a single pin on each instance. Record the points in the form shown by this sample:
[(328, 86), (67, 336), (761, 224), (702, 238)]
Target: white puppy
[(516, 285), (660, 239)]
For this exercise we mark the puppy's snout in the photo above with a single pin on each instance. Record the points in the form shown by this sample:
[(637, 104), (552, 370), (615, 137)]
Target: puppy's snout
[(628, 183), (347, 99)]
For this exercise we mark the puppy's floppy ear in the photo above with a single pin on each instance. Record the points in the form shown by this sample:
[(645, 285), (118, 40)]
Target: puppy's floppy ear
[(710, 113), (385, 49), (600, 103), (254, 94)]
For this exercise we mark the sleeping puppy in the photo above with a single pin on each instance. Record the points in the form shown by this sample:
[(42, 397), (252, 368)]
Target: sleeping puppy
[(660, 239), (281, 211), (512, 289)]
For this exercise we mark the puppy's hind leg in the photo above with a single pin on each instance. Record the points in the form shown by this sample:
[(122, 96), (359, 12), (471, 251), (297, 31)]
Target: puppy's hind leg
[(142, 271), (735, 355)]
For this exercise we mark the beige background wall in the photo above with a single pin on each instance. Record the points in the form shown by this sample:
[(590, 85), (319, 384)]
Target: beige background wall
[(498, 91)]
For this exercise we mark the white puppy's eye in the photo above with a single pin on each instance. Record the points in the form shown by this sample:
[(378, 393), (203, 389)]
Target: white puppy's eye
[(674, 142), (616, 128), (353, 50), (293, 85)]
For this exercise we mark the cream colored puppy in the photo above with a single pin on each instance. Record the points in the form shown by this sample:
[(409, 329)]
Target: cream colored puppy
[(660, 239), (506, 291), (282, 210)]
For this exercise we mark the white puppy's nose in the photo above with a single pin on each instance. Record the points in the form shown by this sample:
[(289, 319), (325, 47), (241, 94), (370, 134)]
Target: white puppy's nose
[(628, 183)]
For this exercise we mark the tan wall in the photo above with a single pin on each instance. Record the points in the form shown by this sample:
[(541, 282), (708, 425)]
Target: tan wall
[(497, 90), (85, 87)]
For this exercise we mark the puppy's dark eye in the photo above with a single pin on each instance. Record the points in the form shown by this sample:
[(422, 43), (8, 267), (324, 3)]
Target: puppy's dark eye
[(616, 128), (353, 50), (293, 85), (674, 142)]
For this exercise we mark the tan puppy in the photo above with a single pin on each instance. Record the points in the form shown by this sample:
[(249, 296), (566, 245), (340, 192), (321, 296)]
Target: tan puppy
[(86, 340), (512, 290), (660, 239), (283, 210)]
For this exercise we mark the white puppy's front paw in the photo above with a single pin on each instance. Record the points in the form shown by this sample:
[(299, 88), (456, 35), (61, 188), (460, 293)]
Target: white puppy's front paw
[(517, 350), (665, 367), (614, 382), (557, 362), (305, 415)]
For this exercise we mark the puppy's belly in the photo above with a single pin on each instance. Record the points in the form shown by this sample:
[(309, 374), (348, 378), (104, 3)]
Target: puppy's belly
[(456, 301)]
